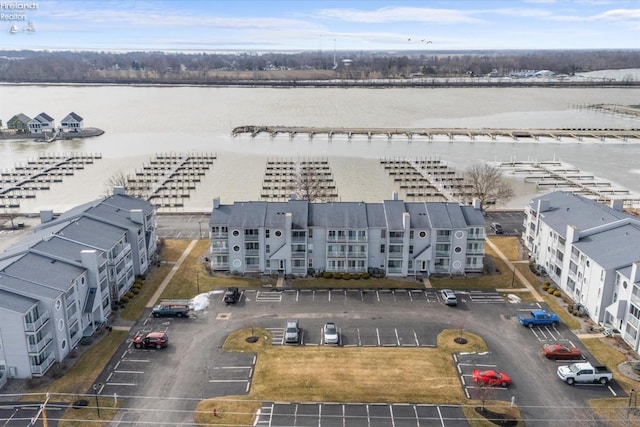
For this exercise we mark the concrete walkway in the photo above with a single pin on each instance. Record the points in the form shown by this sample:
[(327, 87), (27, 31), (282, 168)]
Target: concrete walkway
[(520, 276), (125, 325)]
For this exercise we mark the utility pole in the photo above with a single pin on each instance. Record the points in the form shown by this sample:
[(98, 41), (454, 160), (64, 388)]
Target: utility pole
[(42, 411)]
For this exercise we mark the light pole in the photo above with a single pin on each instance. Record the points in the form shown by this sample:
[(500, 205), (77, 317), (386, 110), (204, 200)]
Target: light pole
[(198, 281), (96, 388), (200, 227)]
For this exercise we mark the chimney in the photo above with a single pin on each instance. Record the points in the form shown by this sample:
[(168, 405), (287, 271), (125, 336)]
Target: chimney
[(46, 216), (543, 205), (617, 205), (635, 272), (406, 217), (394, 195), (294, 196), (477, 204), (216, 202), (89, 260), (573, 234), (119, 190), (136, 216)]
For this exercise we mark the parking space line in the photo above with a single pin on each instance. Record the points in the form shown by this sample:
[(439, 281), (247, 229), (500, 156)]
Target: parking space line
[(136, 360), (231, 367), (397, 337), (378, 295), (124, 384), (128, 372), (359, 340), (415, 336), (227, 381), (378, 336)]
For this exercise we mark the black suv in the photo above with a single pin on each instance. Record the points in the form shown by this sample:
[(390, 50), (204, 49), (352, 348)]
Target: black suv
[(231, 295)]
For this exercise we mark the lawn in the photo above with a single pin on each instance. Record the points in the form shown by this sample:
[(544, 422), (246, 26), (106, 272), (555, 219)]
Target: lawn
[(342, 374)]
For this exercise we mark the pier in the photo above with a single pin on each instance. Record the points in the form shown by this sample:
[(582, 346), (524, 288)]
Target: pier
[(169, 178), (491, 133), (310, 177), (24, 180), (556, 175)]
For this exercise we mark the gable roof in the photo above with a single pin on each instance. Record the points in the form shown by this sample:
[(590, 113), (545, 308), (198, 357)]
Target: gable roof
[(23, 118), (44, 117), (566, 208), (16, 303), (613, 248), (72, 116)]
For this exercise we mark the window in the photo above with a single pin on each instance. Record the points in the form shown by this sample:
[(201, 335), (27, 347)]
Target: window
[(236, 233), (457, 249), (410, 249), (411, 234), (236, 248), (383, 233), (266, 233), (251, 232), (422, 234), (278, 233), (381, 249), (252, 246), (332, 234), (267, 248), (310, 232)]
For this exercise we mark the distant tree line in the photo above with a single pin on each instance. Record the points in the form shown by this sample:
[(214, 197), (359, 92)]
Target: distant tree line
[(167, 67)]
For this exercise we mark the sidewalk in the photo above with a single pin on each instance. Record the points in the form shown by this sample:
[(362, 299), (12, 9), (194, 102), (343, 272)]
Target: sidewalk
[(125, 325), (529, 287)]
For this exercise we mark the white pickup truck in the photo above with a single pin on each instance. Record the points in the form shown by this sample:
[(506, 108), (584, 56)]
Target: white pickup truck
[(584, 373)]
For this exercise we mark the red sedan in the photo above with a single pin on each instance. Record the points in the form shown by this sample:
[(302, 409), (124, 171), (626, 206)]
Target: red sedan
[(561, 352), (493, 378)]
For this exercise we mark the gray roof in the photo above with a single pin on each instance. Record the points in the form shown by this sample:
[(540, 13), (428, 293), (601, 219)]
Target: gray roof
[(127, 202), (44, 271), (275, 214), (473, 216), (92, 233), (375, 215), (571, 209), (419, 217), (613, 248), (44, 117), (221, 215), (73, 116), (394, 210), (20, 286), (21, 117), (65, 249), (16, 303), (248, 214)]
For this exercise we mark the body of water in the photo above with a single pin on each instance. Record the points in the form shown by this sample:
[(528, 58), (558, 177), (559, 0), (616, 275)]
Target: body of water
[(142, 121)]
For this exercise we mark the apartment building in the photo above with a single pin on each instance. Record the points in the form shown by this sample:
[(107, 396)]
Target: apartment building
[(591, 252), (297, 237), (58, 283)]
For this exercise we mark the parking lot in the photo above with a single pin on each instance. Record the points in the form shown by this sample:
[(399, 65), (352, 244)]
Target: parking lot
[(194, 366)]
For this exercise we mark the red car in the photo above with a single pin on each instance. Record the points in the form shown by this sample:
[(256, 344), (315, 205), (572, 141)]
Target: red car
[(490, 377), (561, 352), (151, 340)]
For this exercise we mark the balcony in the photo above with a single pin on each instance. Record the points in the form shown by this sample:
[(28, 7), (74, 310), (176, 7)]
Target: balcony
[(40, 321), (254, 252), (218, 248), (126, 249), (394, 270), (41, 345), (298, 239), (336, 254), (632, 320), (251, 237), (39, 370), (221, 236), (337, 239), (634, 299), (476, 236), (357, 254), (298, 254), (443, 238)]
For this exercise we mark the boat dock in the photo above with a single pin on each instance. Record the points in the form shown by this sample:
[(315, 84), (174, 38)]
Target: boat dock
[(579, 134), (24, 180), (169, 178), (556, 175), (308, 177)]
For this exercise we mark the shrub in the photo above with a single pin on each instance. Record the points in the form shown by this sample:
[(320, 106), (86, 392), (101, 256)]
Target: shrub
[(337, 275), (327, 275), (135, 291), (346, 276), (129, 295), (124, 299), (636, 367), (551, 290), (365, 275), (356, 276), (557, 293)]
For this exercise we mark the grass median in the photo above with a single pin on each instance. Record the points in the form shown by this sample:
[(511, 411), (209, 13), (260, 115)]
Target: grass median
[(342, 374)]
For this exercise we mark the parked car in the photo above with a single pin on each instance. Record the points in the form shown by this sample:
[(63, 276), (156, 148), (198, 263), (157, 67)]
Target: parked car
[(539, 318), (449, 297), (330, 333), (584, 373), (231, 295), (561, 352), (491, 378), (497, 227), (292, 332), (171, 309), (151, 340)]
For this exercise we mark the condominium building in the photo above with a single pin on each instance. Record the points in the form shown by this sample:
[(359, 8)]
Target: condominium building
[(58, 283), (297, 237), (590, 251)]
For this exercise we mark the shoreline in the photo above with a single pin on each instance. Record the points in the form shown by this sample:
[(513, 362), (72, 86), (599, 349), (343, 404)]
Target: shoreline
[(84, 133)]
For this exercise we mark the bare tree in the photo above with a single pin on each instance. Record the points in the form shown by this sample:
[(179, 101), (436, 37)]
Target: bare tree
[(120, 179), (487, 183), (313, 183)]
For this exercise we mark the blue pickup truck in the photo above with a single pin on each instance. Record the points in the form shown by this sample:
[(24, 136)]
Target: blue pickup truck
[(539, 318)]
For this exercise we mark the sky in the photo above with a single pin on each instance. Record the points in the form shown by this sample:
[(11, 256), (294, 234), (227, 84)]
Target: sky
[(307, 25)]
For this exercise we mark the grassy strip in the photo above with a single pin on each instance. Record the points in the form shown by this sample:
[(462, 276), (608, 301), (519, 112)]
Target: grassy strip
[(137, 304), (342, 374), (567, 318), (173, 249), (509, 246), (371, 283), (77, 382), (613, 410)]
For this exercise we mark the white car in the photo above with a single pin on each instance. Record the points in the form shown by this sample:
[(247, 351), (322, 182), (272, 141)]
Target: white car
[(292, 332), (330, 334), (449, 297)]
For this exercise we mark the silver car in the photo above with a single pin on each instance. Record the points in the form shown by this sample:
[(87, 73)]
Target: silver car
[(449, 297), (292, 332), (330, 334)]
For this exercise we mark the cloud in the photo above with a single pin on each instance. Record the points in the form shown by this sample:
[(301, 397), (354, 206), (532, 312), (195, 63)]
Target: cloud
[(398, 14), (620, 15)]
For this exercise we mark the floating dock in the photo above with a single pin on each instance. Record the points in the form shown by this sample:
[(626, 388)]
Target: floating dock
[(492, 133), (307, 177), (557, 175), (24, 180), (169, 178)]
